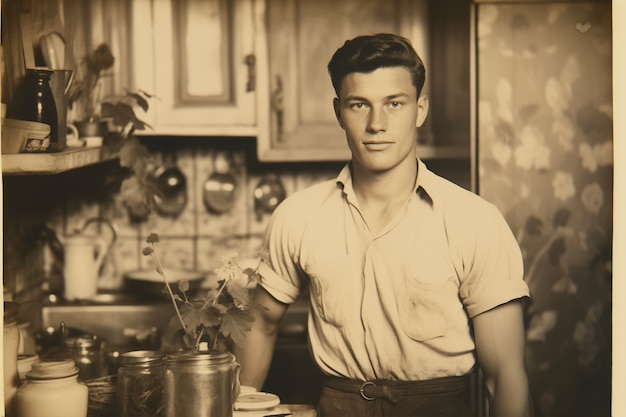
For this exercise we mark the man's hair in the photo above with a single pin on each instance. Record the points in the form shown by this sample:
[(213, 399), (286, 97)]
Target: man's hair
[(370, 52)]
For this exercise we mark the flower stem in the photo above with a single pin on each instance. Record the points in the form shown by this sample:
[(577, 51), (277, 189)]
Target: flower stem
[(169, 289), (219, 292)]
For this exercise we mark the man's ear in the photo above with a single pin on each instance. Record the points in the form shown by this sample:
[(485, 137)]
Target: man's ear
[(337, 111), (422, 110)]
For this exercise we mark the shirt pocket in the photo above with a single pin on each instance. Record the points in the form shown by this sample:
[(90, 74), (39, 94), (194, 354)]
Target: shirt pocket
[(331, 289), (423, 307)]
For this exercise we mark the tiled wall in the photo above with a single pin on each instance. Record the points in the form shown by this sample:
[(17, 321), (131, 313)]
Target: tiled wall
[(196, 239)]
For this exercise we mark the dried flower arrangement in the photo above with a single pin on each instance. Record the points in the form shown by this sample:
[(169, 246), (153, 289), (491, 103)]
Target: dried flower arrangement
[(86, 88)]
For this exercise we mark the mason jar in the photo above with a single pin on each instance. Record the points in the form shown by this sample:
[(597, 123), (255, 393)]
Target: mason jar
[(90, 356), (52, 389), (140, 383), (201, 384)]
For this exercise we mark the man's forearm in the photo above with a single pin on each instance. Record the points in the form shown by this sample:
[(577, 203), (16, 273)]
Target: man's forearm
[(510, 398), (255, 357)]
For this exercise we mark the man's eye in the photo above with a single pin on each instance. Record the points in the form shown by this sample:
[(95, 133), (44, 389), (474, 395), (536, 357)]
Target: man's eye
[(358, 105), (395, 104)]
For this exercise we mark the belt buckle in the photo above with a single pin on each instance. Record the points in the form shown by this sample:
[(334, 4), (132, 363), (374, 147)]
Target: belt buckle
[(362, 391)]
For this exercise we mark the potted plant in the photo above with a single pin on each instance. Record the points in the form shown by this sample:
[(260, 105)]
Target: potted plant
[(138, 187), (86, 90), (203, 377)]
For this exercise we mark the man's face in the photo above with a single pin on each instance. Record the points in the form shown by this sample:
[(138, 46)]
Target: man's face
[(379, 112)]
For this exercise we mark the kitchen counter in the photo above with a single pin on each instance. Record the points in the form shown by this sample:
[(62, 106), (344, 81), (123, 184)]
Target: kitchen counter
[(301, 410), (297, 410)]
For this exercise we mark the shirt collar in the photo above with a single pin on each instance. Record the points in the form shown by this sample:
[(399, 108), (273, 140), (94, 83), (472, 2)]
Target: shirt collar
[(423, 182)]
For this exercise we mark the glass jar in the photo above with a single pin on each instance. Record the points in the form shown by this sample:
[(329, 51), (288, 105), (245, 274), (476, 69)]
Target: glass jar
[(25, 364), (11, 338), (52, 389), (90, 356), (201, 384), (140, 383)]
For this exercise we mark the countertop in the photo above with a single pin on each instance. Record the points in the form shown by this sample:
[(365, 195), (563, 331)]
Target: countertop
[(302, 410), (296, 410)]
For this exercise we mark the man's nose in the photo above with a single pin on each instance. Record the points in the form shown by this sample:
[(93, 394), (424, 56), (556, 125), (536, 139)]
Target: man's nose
[(377, 121)]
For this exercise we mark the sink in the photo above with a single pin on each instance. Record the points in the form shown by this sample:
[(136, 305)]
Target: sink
[(119, 324), (121, 319)]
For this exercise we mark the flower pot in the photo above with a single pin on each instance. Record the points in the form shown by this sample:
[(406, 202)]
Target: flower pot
[(200, 384), (91, 129)]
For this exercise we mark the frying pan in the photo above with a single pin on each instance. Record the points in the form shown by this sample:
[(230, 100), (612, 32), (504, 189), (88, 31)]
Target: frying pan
[(147, 283)]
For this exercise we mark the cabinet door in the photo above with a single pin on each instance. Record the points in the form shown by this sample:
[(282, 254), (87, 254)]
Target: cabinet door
[(204, 66), (302, 36)]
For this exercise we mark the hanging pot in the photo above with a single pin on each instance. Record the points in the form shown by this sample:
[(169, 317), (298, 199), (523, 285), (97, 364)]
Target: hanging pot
[(221, 189), (172, 186), (268, 194)]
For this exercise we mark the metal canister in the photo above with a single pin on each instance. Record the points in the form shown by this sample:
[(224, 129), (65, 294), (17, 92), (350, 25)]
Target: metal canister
[(140, 383), (90, 356), (201, 384)]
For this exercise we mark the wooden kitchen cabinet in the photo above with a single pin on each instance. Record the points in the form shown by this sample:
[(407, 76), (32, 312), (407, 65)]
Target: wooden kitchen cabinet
[(303, 35), (199, 58)]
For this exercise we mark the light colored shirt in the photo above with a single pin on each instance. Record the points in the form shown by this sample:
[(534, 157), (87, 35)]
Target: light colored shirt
[(395, 305)]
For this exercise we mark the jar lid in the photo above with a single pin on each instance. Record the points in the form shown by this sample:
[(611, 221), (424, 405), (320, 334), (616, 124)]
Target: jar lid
[(83, 342), (141, 357), (191, 357), (52, 369)]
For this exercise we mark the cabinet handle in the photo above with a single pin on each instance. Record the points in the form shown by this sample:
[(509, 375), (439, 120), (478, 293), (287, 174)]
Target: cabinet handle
[(251, 63), (278, 107)]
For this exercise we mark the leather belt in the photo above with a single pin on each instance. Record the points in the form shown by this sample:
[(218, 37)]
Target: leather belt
[(393, 391)]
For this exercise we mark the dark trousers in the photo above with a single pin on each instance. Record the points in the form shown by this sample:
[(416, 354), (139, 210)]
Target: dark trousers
[(439, 397)]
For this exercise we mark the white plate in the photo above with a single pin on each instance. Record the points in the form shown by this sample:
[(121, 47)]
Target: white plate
[(256, 401)]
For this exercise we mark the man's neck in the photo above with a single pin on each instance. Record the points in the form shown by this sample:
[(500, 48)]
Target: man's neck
[(382, 194)]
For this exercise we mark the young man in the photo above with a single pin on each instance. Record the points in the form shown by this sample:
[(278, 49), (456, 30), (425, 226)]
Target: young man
[(412, 278)]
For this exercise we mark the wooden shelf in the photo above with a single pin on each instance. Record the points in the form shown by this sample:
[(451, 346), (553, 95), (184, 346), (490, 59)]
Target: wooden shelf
[(53, 163)]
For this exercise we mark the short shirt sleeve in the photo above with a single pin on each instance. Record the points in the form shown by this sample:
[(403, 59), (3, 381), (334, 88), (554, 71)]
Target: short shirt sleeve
[(280, 274), (492, 265)]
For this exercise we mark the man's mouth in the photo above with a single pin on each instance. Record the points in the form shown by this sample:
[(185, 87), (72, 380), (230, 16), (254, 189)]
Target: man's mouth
[(377, 146)]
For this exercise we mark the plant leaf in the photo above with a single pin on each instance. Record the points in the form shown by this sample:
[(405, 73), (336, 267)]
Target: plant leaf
[(238, 291), (192, 317), (557, 249), (561, 217), (236, 324), (213, 315), (253, 276), (135, 197), (533, 226), (134, 155), (141, 101)]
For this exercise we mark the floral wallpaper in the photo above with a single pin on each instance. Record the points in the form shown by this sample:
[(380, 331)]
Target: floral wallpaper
[(545, 158)]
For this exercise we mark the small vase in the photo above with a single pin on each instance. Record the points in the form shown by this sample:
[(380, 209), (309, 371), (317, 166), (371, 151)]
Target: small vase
[(88, 128), (200, 384)]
